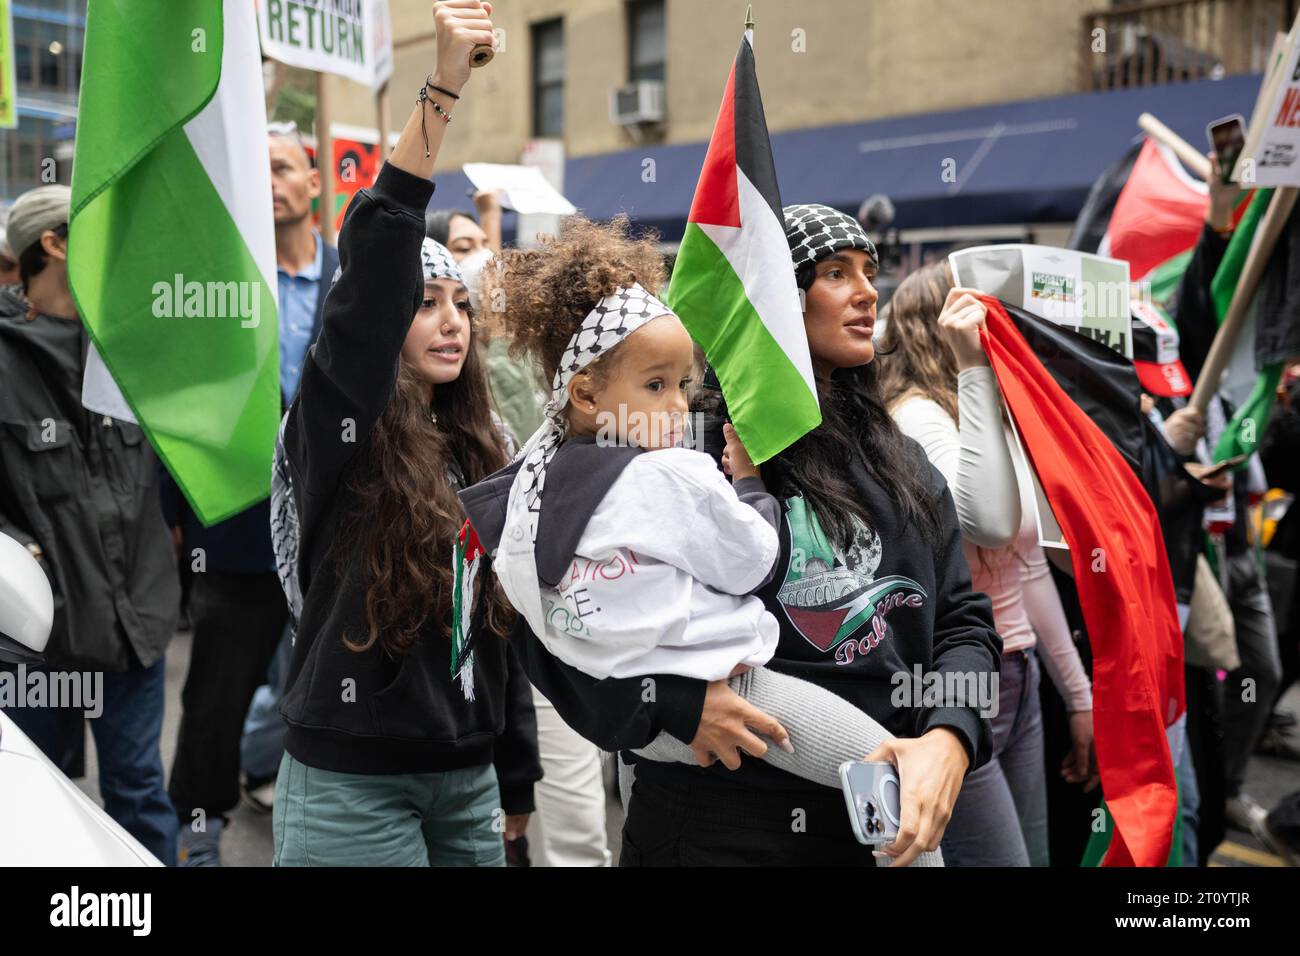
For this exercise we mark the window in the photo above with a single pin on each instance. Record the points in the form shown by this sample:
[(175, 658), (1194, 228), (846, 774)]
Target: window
[(548, 78), (24, 74), (49, 70), (646, 40)]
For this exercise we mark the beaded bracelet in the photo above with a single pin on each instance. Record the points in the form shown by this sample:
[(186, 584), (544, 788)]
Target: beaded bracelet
[(423, 98)]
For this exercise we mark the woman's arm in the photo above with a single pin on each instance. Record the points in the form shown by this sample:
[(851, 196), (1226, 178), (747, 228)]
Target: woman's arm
[(515, 754), (965, 642), (629, 712), (973, 458), (1046, 616), (613, 713), (350, 372)]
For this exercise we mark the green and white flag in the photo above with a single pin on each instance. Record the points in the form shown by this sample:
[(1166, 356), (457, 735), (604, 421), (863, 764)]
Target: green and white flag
[(1247, 426), (172, 245), (733, 283)]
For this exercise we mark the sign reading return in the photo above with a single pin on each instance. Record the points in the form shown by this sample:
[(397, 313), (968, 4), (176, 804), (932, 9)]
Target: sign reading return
[(352, 38)]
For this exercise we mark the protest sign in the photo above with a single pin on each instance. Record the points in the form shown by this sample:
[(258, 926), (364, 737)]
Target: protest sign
[(1271, 155), (352, 38), (1084, 292), (525, 188)]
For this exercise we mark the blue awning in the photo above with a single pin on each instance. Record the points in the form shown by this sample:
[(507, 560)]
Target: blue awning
[(1029, 161)]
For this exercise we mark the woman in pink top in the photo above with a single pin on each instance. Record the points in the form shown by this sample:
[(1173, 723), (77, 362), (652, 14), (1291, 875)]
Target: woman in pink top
[(941, 391)]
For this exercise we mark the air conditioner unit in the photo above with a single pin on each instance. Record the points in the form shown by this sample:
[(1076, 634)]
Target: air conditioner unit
[(639, 102)]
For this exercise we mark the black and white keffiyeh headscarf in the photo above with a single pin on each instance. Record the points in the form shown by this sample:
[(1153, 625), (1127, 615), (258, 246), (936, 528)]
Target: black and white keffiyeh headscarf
[(612, 320), (815, 231), (438, 262)]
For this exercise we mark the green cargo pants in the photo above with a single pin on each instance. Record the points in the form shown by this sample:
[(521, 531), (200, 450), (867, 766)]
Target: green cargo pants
[(324, 818)]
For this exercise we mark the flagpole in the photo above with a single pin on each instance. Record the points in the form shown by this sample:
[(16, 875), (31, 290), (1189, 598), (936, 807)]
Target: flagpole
[(1225, 340), (325, 160), (749, 17), (1184, 150)]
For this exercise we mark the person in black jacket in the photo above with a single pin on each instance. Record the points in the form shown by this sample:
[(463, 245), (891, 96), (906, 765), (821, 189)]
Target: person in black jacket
[(80, 491), (859, 504), (394, 757)]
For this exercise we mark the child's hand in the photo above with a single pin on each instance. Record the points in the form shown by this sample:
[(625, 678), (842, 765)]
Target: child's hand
[(735, 460)]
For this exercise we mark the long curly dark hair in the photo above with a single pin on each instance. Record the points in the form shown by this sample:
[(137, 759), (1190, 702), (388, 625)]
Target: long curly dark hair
[(855, 424), (407, 516)]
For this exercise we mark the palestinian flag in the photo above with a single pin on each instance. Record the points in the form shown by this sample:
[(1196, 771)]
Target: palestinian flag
[(172, 245), (1106, 387), (733, 284), (1247, 426), (1121, 571), (1145, 209)]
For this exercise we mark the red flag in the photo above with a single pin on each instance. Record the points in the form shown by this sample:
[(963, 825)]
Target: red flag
[(1125, 590), (1159, 213)]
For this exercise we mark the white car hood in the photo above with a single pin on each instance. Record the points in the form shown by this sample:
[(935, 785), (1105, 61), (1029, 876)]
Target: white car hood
[(46, 821)]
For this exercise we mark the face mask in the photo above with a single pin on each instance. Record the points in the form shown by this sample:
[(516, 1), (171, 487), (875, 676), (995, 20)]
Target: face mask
[(471, 269)]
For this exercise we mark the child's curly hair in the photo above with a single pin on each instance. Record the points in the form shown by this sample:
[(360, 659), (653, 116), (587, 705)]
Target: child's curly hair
[(539, 297)]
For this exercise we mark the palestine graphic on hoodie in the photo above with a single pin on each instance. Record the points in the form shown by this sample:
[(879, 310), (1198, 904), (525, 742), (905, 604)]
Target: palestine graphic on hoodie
[(832, 598)]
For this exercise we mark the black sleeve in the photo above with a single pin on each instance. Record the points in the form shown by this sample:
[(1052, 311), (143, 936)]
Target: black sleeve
[(754, 493), (517, 761), (350, 372), (612, 713), (1178, 491), (1193, 309), (965, 640)]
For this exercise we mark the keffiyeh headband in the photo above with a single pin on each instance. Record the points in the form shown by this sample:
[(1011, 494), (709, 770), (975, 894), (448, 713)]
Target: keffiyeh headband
[(438, 262), (612, 320), (815, 231)]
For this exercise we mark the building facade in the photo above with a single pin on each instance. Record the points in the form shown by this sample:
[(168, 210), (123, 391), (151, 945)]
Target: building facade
[(820, 62), (47, 65)]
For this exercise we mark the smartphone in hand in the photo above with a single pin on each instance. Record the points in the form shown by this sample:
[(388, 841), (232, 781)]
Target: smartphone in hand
[(873, 795), (1227, 138)]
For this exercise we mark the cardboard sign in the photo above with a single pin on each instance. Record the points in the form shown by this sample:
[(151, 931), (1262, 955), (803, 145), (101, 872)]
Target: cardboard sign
[(1087, 293), (526, 189), (352, 38), (1271, 156)]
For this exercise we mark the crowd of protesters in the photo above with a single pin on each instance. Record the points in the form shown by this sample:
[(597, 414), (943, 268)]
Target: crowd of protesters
[(389, 707)]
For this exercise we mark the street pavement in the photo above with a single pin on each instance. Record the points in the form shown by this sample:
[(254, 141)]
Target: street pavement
[(248, 841)]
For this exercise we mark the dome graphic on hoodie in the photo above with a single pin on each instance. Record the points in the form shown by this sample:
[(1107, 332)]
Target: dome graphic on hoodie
[(830, 595)]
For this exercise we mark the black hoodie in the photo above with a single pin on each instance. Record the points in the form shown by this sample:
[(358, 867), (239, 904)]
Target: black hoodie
[(363, 712), (923, 614)]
